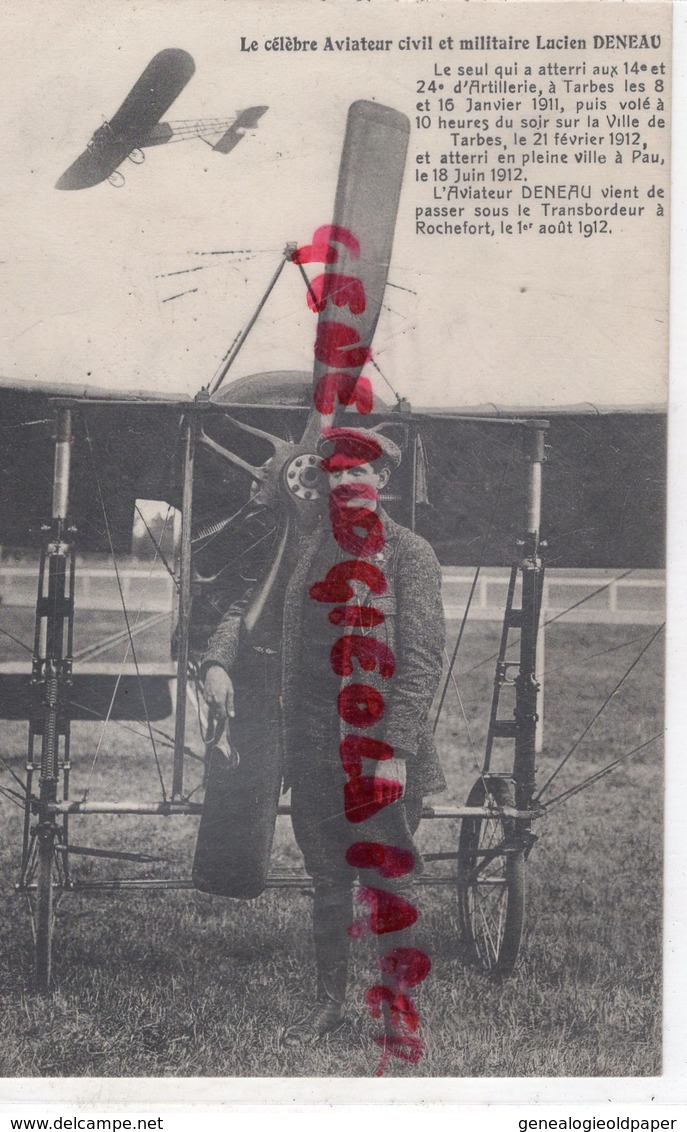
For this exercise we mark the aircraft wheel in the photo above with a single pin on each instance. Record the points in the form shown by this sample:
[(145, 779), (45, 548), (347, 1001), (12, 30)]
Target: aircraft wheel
[(491, 881)]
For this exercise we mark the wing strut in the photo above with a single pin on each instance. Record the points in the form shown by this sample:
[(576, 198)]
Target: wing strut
[(230, 358), (185, 600)]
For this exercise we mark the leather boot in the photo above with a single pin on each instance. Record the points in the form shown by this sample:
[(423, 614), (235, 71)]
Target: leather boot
[(332, 916)]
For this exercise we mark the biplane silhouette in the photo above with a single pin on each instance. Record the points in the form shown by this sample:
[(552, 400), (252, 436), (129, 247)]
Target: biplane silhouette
[(238, 464), (136, 124)]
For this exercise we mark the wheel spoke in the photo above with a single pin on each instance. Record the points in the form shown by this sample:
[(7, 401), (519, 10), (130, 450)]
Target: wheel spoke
[(491, 892), (486, 937)]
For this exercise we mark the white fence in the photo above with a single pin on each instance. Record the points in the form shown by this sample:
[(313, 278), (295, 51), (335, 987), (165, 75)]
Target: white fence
[(604, 596), (96, 587)]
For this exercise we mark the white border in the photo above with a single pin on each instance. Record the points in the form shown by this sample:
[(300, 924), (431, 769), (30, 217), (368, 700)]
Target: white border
[(488, 1102)]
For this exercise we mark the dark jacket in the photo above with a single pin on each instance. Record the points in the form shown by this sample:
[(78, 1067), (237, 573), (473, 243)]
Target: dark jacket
[(413, 628)]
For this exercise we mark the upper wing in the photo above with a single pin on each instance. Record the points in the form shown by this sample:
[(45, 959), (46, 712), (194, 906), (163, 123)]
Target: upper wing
[(124, 448), (604, 493), (604, 479), (151, 96)]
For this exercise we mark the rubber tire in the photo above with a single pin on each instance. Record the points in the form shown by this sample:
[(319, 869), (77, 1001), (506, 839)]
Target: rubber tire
[(495, 950), (44, 914)]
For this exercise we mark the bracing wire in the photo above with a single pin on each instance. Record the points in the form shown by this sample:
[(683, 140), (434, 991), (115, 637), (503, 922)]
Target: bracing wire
[(605, 703), (386, 379), (392, 311), (195, 127), (582, 600), (13, 796), (183, 271), (158, 545), (124, 609), (230, 357), (107, 717), (16, 640), (315, 303), (473, 587), (550, 620), (101, 646), (595, 655), (15, 776), (473, 748), (230, 251), (180, 294), (398, 287), (165, 739), (563, 797), (246, 550)]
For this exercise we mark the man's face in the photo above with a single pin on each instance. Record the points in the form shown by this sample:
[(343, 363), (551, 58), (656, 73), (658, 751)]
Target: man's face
[(364, 477)]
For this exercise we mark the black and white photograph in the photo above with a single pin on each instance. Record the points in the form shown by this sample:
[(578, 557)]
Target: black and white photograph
[(333, 496)]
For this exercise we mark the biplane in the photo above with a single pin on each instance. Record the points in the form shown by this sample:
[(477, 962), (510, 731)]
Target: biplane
[(136, 125), (237, 463)]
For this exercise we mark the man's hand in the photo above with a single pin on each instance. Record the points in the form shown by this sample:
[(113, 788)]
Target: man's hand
[(218, 693)]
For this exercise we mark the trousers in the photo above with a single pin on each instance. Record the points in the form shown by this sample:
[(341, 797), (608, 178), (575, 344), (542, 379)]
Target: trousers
[(324, 834)]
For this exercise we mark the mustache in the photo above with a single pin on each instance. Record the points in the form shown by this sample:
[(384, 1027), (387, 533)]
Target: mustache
[(341, 495)]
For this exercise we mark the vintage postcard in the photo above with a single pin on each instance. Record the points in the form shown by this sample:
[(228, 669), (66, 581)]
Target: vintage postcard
[(333, 521)]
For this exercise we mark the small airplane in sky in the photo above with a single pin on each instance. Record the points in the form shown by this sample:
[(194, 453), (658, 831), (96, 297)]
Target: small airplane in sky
[(137, 124)]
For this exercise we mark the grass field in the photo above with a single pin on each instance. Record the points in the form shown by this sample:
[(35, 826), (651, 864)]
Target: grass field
[(184, 984)]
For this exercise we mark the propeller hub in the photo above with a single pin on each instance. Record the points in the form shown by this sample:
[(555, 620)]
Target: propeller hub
[(304, 477)]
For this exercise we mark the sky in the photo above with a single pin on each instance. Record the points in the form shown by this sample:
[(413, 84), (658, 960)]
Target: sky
[(86, 279)]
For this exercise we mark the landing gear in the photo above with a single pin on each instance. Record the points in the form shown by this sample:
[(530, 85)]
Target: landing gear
[(491, 884), (44, 868), (494, 844)]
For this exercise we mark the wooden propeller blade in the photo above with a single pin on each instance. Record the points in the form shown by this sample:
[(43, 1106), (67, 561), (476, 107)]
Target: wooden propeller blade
[(367, 196)]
